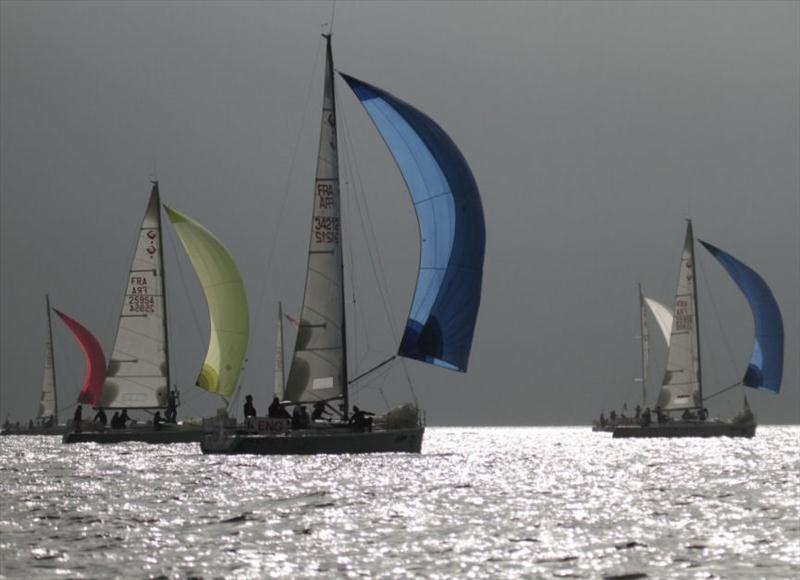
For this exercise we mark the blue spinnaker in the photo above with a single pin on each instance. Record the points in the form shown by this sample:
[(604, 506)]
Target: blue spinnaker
[(442, 319), (765, 370)]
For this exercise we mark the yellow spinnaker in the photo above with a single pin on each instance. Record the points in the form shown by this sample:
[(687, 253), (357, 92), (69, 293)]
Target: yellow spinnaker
[(227, 304)]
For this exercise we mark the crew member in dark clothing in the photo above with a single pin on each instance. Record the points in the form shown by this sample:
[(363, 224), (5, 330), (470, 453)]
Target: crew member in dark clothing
[(249, 409), (100, 417), (319, 411), (172, 408), (277, 411), (360, 420), (157, 419), (123, 418), (115, 423), (646, 419), (77, 419)]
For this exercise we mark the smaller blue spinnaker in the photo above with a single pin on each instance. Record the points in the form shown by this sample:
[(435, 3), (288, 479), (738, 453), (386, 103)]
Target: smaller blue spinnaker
[(452, 232), (765, 370)]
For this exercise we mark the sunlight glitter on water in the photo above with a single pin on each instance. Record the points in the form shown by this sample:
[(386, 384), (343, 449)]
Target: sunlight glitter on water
[(478, 502)]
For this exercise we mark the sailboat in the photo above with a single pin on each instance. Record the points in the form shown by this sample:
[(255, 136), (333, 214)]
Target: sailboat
[(46, 422), (138, 373), (682, 386), (663, 317), (444, 309)]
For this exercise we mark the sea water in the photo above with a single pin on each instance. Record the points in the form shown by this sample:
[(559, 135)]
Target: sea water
[(477, 503)]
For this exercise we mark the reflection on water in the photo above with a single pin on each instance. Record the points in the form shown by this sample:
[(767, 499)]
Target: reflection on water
[(479, 502)]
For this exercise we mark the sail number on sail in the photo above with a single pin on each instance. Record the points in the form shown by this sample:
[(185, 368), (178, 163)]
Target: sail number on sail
[(683, 318), (326, 227), (139, 299)]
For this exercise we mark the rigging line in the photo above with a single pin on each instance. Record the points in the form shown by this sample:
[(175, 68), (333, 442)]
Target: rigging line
[(238, 392), (734, 385), (719, 320), (279, 217), (354, 183), (375, 259), (345, 199), (185, 287)]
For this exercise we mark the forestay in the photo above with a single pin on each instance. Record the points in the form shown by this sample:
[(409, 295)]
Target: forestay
[(94, 358), (444, 310), (138, 372), (765, 370), (227, 304), (681, 388), (280, 380)]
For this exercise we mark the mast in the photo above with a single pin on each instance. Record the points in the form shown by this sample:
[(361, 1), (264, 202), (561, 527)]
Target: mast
[(52, 360), (280, 378), (157, 193), (642, 331), (345, 383), (696, 315)]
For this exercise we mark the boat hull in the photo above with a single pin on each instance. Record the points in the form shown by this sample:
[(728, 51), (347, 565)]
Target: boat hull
[(687, 429), (145, 434), (309, 442)]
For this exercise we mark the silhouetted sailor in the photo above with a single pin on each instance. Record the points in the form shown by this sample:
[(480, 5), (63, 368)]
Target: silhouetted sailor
[(172, 408), (277, 411), (360, 420), (249, 409), (100, 417)]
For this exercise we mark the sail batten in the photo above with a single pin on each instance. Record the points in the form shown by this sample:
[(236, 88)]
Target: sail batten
[(93, 356), (138, 370), (765, 369), (227, 304), (444, 309)]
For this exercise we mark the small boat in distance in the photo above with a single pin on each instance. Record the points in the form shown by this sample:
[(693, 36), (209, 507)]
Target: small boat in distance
[(442, 320), (663, 317), (46, 422), (682, 387)]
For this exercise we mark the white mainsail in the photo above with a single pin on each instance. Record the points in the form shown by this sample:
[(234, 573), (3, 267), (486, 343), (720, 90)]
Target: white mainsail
[(138, 371), (48, 404), (681, 388), (280, 380), (663, 316), (318, 370)]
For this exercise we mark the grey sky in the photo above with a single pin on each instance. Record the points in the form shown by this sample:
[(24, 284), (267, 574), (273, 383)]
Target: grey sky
[(593, 130)]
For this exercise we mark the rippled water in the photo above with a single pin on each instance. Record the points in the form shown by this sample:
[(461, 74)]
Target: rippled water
[(478, 502)]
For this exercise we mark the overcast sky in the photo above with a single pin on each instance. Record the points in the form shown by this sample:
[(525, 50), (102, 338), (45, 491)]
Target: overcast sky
[(593, 130)]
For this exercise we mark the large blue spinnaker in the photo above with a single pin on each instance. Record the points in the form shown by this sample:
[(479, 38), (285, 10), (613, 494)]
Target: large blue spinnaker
[(452, 232), (765, 370)]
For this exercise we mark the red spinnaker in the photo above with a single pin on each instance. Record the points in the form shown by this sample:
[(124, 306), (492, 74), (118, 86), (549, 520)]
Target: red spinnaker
[(95, 374)]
